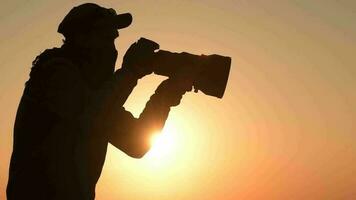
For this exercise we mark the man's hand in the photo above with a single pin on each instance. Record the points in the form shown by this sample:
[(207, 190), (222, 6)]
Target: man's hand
[(138, 57), (173, 89)]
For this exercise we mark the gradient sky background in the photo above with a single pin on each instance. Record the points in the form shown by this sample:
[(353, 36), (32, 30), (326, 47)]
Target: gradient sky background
[(285, 128)]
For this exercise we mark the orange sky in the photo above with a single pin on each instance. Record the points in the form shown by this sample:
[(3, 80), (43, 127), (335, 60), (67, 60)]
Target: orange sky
[(285, 128)]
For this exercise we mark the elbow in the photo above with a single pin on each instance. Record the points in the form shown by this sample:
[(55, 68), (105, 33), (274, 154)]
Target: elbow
[(137, 153), (137, 156), (139, 147)]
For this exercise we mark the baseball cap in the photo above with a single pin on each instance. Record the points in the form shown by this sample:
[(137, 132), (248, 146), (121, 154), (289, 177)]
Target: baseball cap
[(83, 18)]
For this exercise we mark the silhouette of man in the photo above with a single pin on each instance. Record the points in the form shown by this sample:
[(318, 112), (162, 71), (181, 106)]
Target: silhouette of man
[(72, 107)]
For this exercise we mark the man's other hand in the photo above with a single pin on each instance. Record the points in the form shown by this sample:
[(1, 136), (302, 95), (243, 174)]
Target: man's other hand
[(173, 89), (138, 57)]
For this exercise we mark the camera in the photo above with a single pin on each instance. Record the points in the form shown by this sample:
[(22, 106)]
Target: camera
[(209, 73)]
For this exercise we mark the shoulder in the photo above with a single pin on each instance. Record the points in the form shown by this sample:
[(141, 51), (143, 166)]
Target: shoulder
[(53, 72), (52, 61), (53, 65), (58, 66), (62, 74)]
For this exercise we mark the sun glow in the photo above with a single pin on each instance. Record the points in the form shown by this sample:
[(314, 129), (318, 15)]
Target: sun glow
[(163, 143)]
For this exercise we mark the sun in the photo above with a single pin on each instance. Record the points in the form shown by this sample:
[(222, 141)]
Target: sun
[(163, 143)]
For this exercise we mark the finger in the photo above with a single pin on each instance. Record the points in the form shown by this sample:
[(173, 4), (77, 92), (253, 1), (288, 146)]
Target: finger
[(174, 101)]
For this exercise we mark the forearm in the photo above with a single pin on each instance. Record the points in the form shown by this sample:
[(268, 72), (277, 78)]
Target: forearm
[(115, 93), (155, 113), (151, 121), (124, 82), (105, 107), (132, 135)]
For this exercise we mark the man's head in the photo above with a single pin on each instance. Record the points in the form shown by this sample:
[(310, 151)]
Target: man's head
[(92, 30), (87, 16)]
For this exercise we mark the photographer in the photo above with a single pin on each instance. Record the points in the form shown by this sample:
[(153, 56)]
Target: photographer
[(72, 107)]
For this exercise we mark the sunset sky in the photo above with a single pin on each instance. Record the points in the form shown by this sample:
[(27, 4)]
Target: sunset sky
[(285, 129)]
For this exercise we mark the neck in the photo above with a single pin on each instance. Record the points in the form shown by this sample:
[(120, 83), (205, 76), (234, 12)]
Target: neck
[(77, 54), (81, 58)]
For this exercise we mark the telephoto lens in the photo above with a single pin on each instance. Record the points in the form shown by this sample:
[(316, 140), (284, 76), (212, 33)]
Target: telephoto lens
[(209, 72)]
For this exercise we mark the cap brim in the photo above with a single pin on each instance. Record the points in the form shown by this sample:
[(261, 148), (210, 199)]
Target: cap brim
[(122, 20)]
